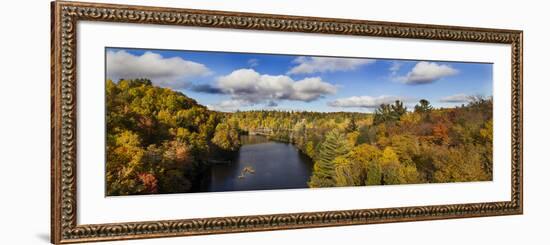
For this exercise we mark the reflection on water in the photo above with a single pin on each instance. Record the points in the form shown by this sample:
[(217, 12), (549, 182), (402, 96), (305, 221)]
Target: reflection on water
[(260, 164)]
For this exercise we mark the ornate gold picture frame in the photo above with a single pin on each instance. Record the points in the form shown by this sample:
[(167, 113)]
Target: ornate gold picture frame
[(66, 15)]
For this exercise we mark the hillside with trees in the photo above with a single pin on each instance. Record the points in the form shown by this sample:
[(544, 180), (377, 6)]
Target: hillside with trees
[(159, 141)]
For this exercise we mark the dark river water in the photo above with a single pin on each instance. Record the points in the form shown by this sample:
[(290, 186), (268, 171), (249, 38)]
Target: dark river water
[(260, 164)]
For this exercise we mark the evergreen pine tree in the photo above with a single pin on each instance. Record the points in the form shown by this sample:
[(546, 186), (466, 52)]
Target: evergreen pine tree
[(423, 106), (352, 125), (389, 112), (333, 146), (398, 110)]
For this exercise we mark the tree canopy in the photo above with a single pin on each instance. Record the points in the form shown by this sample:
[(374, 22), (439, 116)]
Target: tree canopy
[(159, 140)]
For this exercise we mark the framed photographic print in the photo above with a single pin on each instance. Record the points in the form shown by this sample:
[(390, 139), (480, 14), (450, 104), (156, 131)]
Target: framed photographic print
[(174, 122)]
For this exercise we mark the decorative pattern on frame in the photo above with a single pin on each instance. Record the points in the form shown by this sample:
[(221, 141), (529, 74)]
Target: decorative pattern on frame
[(65, 16)]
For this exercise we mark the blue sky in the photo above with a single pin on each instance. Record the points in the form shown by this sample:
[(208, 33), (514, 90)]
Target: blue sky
[(245, 81)]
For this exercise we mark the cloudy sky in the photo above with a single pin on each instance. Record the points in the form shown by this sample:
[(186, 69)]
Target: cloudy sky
[(244, 81)]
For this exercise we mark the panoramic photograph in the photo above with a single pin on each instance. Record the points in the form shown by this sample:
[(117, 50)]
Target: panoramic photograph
[(180, 121)]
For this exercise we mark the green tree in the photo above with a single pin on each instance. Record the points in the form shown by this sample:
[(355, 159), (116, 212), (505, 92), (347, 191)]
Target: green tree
[(333, 147), (367, 134), (369, 156), (391, 168), (348, 172), (310, 149), (352, 125), (383, 113), (398, 109), (423, 106), (374, 173), (226, 137), (389, 112)]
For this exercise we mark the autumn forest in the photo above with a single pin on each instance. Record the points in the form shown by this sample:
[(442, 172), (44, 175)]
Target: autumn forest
[(158, 140)]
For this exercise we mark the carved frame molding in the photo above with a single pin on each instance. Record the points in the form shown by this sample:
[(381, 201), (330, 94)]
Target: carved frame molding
[(66, 15)]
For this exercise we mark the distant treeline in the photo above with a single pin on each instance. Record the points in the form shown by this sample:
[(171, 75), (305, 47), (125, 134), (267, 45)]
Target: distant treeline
[(159, 140), (390, 146)]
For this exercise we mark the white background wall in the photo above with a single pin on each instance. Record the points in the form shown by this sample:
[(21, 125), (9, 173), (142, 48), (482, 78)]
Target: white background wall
[(25, 120)]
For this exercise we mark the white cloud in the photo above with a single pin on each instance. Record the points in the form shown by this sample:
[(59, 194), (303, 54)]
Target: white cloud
[(365, 101), (394, 68), (312, 88), (228, 105), (457, 98), (308, 65), (253, 87), (253, 62), (427, 72), (166, 72)]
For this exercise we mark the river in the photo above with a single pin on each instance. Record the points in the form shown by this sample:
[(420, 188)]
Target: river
[(260, 164)]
